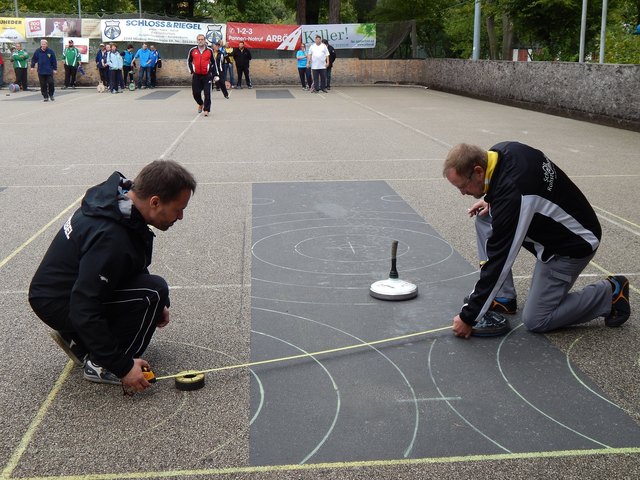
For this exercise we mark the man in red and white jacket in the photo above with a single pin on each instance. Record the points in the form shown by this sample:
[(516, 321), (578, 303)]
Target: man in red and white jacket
[(201, 60)]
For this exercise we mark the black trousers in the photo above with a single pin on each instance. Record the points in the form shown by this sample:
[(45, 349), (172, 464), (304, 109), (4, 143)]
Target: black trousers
[(70, 76), (154, 71), (222, 86), (319, 79), (21, 78), (133, 313), (47, 87), (243, 70), (115, 80), (198, 84), (305, 77)]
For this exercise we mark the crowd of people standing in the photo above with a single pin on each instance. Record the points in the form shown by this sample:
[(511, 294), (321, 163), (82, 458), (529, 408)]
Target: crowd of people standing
[(119, 69)]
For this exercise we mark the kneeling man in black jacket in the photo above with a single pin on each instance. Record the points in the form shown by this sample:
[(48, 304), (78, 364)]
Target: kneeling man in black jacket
[(93, 287)]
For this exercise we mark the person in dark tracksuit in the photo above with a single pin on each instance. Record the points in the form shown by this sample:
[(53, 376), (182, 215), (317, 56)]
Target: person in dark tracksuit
[(242, 58), (525, 200), (201, 61), (93, 286), (47, 67), (219, 70)]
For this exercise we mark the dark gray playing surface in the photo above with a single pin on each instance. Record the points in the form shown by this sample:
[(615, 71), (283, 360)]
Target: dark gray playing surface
[(30, 95), (272, 94), (317, 247), (159, 95)]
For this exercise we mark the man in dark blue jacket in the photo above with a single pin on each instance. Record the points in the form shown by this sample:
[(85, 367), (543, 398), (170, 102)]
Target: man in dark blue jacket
[(525, 200), (47, 67), (93, 286)]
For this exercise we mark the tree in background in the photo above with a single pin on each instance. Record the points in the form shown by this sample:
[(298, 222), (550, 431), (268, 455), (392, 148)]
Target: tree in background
[(622, 41), (429, 17)]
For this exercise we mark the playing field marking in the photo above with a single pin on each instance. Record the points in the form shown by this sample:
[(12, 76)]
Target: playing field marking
[(171, 148), (35, 423), (335, 389), (635, 232), (342, 465), (39, 232), (453, 409), (579, 380), (395, 120), (522, 397)]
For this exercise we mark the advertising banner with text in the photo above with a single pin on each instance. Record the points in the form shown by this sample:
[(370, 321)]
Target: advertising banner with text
[(343, 35), (262, 35), (288, 37), (159, 31), (12, 30)]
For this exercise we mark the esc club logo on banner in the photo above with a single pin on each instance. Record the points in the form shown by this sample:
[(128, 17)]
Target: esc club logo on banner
[(214, 34), (112, 29)]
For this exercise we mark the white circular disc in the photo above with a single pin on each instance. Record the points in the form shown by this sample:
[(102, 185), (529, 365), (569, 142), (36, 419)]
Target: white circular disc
[(393, 289)]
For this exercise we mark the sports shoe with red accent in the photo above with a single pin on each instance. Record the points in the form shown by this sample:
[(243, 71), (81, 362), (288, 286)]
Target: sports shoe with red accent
[(620, 307)]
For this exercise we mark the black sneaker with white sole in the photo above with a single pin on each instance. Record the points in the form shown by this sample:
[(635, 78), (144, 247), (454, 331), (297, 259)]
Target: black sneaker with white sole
[(492, 324)]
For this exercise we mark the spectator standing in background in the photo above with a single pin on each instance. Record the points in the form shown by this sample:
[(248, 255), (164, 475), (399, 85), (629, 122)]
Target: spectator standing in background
[(156, 63), (20, 64), (228, 65), (318, 57), (101, 63), (144, 54), (127, 63), (332, 58), (242, 57), (303, 71), (71, 57)]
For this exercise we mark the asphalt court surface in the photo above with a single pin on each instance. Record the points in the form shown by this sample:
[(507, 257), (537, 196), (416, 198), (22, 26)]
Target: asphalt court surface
[(296, 207)]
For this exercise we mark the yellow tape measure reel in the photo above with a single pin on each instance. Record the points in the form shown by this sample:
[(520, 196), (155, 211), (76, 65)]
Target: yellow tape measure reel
[(189, 380)]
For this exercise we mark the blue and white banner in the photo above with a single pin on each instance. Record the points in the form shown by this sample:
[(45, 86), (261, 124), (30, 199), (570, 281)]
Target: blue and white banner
[(160, 31)]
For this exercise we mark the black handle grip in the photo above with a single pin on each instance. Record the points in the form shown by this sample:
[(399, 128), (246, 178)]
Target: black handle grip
[(394, 251)]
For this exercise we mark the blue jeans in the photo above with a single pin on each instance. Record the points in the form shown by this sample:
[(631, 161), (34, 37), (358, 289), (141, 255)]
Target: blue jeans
[(228, 69), (145, 72)]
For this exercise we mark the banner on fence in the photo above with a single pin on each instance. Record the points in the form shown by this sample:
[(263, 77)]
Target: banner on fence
[(52, 27), (159, 31), (91, 28), (347, 35), (12, 30), (262, 35)]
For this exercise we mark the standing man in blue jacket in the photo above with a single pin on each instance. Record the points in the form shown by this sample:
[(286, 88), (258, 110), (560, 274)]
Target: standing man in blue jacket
[(144, 55), (525, 200), (156, 62), (47, 67), (93, 286)]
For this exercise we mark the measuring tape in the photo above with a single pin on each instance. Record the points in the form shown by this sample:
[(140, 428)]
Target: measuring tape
[(194, 379)]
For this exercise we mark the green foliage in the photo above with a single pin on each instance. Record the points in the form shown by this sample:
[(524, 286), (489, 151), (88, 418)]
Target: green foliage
[(255, 11), (621, 45), (348, 13), (429, 16)]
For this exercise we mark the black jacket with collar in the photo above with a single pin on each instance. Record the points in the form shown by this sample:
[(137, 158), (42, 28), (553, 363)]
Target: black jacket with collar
[(535, 205), (101, 246)]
